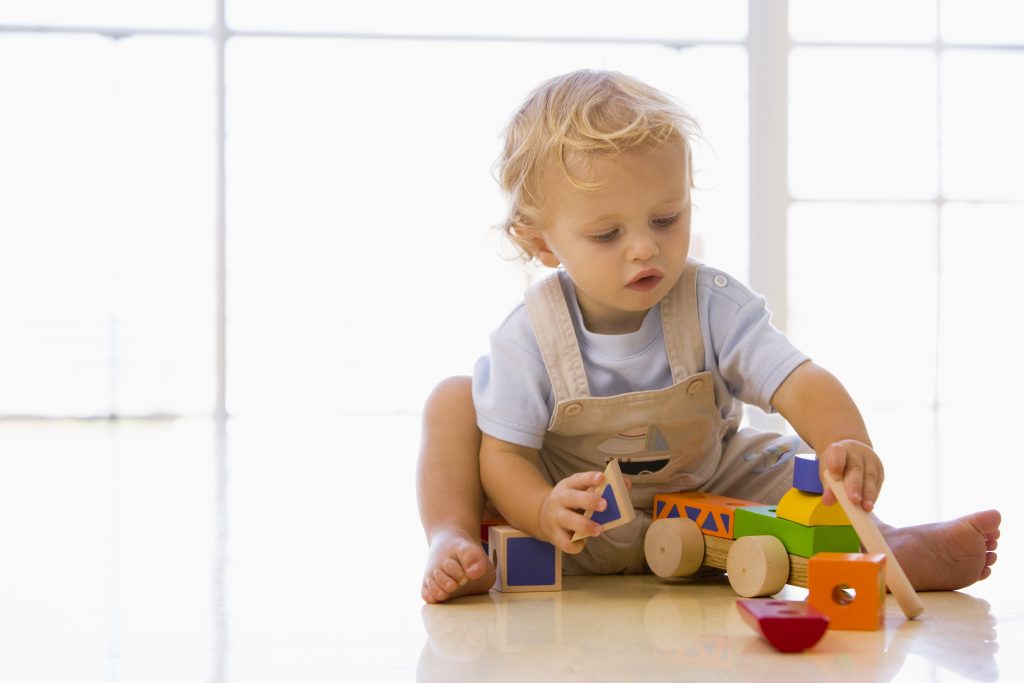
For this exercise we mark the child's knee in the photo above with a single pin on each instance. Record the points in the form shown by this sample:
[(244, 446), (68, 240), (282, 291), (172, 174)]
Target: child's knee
[(451, 393), (451, 404)]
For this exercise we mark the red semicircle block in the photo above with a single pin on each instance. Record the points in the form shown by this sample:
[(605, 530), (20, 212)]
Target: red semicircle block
[(789, 625)]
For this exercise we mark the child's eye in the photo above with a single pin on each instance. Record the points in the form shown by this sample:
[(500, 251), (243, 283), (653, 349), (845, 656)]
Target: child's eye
[(667, 221), (605, 236)]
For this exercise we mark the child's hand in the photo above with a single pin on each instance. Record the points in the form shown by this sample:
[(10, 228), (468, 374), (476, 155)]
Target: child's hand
[(561, 513), (858, 467)]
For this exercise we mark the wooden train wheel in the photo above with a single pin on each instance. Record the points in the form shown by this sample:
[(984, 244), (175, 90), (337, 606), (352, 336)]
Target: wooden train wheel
[(674, 547), (757, 566)]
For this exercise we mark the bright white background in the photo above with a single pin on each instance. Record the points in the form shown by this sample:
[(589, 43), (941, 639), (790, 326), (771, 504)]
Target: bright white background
[(361, 266)]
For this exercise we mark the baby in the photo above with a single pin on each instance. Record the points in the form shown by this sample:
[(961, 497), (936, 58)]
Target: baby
[(632, 351)]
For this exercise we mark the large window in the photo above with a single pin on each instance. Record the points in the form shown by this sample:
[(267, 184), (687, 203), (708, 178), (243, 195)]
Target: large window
[(906, 227), (106, 233), (354, 201), (268, 208)]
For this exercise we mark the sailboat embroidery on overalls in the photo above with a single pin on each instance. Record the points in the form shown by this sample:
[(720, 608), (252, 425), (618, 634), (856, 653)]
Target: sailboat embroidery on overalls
[(642, 450)]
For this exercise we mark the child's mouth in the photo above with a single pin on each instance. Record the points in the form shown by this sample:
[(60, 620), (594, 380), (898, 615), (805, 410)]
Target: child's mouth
[(646, 283)]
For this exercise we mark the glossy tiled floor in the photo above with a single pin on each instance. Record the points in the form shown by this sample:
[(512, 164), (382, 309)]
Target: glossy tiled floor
[(291, 551)]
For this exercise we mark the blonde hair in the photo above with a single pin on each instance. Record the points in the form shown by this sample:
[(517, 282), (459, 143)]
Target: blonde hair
[(583, 112)]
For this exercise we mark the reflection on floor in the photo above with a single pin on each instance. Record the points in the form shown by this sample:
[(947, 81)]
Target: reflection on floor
[(270, 550), (643, 628)]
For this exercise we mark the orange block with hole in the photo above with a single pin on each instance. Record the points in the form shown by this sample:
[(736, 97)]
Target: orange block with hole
[(849, 588)]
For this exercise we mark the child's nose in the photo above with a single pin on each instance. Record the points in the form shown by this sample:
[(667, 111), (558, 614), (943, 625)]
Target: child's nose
[(643, 247)]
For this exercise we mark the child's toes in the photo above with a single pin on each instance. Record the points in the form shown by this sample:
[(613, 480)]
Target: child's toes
[(432, 593), (473, 561), (453, 570), (446, 583)]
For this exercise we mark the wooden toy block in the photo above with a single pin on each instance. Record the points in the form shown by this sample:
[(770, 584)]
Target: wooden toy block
[(788, 625), (874, 542), (798, 539), (805, 475), (713, 514), (620, 507), (523, 563), (807, 509), (485, 529), (830, 575)]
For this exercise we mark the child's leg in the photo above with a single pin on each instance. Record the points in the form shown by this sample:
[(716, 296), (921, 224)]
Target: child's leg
[(450, 495), (946, 555)]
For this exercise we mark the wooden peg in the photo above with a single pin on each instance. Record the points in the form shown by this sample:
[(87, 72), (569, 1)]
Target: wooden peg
[(873, 541)]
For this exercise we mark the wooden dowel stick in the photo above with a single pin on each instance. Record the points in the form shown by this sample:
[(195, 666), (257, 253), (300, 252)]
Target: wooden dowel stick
[(873, 541)]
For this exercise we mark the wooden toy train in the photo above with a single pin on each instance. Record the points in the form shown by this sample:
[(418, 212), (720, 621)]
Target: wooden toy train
[(800, 541), (761, 547)]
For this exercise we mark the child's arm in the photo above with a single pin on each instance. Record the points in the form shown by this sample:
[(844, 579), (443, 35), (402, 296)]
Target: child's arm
[(524, 498), (824, 415)]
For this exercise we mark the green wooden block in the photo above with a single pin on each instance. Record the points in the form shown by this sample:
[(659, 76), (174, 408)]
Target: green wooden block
[(805, 541)]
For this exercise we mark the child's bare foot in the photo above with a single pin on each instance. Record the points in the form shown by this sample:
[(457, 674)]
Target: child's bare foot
[(947, 555), (456, 565)]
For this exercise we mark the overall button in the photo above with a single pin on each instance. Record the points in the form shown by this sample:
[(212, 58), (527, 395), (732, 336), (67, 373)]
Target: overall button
[(573, 409), (694, 387)]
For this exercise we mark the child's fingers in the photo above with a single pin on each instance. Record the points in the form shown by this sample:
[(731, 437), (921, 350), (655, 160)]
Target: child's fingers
[(562, 540), (853, 479), (844, 466), (561, 515), (572, 521), (581, 481), (858, 467), (872, 485), (583, 500), (834, 460)]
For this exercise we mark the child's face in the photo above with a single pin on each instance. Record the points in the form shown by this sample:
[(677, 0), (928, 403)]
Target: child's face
[(625, 244)]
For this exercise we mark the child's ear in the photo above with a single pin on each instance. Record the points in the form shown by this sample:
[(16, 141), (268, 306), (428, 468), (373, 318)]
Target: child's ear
[(538, 246)]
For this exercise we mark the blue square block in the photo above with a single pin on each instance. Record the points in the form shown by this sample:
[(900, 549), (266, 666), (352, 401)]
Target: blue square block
[(530, 562)]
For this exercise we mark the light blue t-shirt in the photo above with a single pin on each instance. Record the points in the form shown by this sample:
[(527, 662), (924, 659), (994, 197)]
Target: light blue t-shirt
[(746, 355)]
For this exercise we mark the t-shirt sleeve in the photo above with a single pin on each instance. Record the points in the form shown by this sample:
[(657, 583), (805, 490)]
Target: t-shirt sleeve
[(511, 390), (754, 357)]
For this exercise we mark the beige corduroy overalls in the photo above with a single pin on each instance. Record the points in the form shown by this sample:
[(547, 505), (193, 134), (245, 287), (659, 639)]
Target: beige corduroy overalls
[(672, 439)]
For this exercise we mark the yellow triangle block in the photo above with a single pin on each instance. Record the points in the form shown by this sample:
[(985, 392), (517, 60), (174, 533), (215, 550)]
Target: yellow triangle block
[(807, 509)]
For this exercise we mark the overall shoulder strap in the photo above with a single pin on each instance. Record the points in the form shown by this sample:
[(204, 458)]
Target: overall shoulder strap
[(552, 325), (680, 319)]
